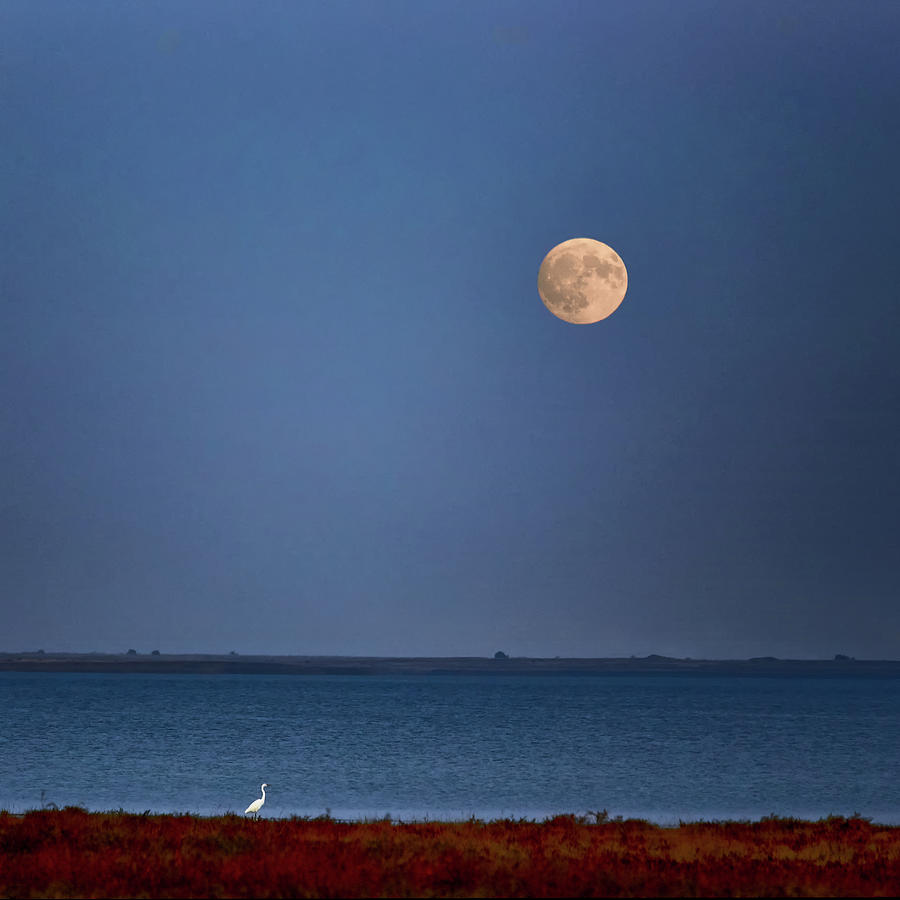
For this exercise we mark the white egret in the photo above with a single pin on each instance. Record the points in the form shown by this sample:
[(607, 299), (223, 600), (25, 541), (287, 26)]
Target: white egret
[(256, 805)]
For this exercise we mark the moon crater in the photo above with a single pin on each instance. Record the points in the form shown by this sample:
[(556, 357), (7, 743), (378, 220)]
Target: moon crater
[(582, 281)]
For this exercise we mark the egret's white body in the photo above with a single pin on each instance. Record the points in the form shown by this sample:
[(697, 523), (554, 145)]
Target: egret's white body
[(256, 805)]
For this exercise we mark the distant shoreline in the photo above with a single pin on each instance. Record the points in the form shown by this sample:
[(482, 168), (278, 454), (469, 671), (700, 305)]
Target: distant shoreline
[(235, 664)]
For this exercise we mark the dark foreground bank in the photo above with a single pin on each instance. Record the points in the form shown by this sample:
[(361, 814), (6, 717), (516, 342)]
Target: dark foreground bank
[(71, 853), (235, 664)]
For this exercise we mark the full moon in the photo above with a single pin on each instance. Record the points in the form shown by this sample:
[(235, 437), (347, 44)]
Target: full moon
[(582, 281)]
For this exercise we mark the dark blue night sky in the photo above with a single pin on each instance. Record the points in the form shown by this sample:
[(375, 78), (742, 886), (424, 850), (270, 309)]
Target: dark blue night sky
[(275, 373)]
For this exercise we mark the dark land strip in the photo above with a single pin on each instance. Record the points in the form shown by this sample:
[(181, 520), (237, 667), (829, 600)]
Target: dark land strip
[(234, 664)]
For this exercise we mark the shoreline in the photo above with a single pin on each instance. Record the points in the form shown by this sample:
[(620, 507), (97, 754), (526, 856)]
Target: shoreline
[(235, 664), (590, 818), (586, 818)]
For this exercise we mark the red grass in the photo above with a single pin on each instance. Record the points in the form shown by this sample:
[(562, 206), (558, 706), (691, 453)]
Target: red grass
[(72, 853)]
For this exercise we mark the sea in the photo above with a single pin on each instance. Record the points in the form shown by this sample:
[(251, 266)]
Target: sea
[(661, 747)]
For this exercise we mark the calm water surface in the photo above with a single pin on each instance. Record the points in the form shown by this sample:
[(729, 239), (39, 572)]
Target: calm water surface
[(659, 747)]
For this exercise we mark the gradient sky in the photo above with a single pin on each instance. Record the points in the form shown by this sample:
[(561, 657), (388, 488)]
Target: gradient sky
[(275, 373)]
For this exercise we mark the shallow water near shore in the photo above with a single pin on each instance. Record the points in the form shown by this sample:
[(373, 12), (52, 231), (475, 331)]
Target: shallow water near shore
[(660, 747)]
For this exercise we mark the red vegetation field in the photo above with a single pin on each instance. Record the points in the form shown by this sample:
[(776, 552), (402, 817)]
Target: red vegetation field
[(71, 853)]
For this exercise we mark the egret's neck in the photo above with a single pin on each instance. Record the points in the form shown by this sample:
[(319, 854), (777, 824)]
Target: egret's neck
[(264, 793)]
